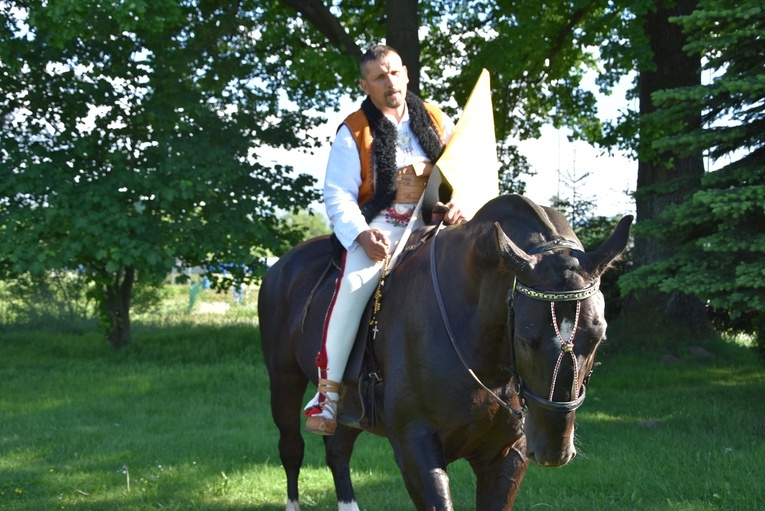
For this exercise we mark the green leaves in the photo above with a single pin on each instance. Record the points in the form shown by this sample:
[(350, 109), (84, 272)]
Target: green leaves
[(537, 54), (720, 238), (129, 140)]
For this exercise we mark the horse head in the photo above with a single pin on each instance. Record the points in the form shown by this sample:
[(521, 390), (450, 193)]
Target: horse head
[(556, 321)]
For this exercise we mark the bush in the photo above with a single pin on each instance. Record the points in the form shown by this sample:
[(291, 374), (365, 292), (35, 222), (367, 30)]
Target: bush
[(64, 300), (58, 297), (751, 323)]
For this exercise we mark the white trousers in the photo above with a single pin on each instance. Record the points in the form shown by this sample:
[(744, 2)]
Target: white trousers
[(355, 286)]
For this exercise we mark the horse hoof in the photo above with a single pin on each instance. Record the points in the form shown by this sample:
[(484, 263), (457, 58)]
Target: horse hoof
[(321, 425)]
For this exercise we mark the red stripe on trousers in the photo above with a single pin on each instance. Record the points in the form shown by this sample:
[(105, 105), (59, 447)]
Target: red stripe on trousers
[(321, 357)]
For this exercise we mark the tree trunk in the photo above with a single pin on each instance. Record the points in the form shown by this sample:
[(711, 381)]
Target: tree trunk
[(673, 68), (119, 294), (402, 33)]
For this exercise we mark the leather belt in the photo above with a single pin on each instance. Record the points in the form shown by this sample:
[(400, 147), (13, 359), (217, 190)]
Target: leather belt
[(411, 182)]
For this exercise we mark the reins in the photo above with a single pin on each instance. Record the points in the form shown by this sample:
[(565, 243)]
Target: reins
[(567, 346), (519, 414)]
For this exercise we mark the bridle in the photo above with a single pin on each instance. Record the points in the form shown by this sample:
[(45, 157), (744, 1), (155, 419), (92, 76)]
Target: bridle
[(567, 346)]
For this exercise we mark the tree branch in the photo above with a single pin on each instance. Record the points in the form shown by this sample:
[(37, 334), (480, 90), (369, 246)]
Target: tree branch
[(566, 30), (318, 14)]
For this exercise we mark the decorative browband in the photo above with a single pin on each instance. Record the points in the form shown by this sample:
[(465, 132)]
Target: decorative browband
[(561, 296)]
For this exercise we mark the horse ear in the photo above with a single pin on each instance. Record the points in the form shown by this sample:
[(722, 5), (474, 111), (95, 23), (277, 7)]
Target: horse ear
[(600, 259), (518, 260)]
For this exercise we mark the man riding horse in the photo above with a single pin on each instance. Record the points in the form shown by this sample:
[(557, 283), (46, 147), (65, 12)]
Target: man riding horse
[(377, 171), (488, 330)]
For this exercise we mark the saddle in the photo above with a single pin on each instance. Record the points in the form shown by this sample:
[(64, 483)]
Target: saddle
[(362, 390)]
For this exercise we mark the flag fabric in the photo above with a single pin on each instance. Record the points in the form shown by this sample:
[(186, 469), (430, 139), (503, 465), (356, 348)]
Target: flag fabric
[(469, 161)]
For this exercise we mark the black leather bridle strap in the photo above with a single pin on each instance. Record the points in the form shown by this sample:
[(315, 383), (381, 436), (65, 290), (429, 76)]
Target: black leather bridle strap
[(519, 414)]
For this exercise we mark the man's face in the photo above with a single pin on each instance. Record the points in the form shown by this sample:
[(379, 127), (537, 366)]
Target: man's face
[(385, 81)]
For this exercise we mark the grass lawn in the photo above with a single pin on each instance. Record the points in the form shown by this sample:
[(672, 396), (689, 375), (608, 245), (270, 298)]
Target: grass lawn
[(180, 421)]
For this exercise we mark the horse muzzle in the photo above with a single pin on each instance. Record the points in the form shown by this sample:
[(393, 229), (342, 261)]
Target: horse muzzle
[(549, 439), (551, 459)]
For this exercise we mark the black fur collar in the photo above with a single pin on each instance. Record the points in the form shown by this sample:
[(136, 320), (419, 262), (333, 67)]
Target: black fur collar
[(385, 137)]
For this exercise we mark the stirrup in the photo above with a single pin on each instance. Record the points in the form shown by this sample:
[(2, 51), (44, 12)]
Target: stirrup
[(317, 423)]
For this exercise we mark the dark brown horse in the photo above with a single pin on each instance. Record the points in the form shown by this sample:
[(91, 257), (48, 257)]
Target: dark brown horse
[(488, 324)]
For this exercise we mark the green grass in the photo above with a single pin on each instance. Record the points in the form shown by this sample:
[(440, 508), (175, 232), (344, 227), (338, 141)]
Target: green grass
[(688, 435), (180, 421)]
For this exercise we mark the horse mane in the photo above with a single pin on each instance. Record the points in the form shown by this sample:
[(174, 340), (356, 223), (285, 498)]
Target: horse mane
[(518, 213), (526, 223)]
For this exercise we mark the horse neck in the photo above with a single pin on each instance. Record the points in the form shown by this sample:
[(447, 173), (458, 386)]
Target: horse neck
[(492, 315), (485, 289)]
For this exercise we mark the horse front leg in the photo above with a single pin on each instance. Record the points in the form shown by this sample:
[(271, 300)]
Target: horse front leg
[(498, 482), (338, 449), (420, 457)]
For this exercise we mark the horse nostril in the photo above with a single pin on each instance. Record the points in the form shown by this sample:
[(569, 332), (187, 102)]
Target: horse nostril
[(567, 456)]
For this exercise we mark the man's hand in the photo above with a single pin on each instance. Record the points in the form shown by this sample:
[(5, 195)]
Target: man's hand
[(453, 213), (374, 243)]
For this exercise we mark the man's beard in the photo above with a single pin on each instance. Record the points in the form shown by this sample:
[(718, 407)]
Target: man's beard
[(395, 100)]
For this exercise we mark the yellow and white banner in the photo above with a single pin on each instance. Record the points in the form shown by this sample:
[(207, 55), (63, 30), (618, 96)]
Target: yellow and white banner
[(469, 161)]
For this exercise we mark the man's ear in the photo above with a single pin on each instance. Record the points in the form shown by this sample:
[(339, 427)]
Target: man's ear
[(363, 84)]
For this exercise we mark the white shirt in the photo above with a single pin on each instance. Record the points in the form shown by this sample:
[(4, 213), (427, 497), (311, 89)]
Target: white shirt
[(342, 180)]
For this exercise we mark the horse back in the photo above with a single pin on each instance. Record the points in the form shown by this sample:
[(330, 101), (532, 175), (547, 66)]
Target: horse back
[(292, 303)]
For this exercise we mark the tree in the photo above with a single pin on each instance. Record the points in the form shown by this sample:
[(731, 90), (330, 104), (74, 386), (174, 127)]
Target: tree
[(578, 208), (664, 176), (310, 223), (129, 137), (647, 41), (718, 229)]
